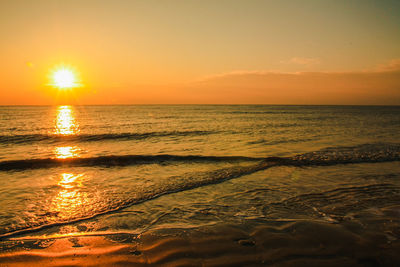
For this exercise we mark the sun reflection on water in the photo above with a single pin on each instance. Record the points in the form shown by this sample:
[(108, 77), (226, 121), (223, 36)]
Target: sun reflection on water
[(68, 202), (69, 180), (71, 200), (65, 121), (65, 125), (64, 152)]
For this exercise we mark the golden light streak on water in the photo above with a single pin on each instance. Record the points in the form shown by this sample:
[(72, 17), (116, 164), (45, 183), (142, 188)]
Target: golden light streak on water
[(70, 199), (66, 123), (64, 152), (68, 202), (69, 180)]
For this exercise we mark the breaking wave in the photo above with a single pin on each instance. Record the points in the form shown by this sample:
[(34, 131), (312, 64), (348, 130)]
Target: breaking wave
[(52, 138), (367, 153)]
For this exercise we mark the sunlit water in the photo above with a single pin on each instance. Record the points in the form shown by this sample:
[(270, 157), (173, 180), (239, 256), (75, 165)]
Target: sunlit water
[(132, 168)]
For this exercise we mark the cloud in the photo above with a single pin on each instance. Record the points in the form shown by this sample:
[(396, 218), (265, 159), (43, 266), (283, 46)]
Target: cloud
[(392, 65), (377, 86), (305, 61)]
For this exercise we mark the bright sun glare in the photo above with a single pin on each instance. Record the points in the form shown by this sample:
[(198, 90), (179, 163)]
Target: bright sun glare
[(64, 78)]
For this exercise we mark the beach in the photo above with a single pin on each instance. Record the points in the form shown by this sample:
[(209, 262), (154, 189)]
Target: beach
[(197, 185), (301, 243)]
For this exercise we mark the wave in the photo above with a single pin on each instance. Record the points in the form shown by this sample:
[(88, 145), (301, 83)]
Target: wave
[(110, 161), (366, 153), (32, 138)]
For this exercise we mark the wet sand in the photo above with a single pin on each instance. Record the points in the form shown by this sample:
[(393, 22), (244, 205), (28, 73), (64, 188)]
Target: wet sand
[(300, 243)]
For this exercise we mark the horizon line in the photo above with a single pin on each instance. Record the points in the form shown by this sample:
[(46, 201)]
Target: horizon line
[(200, 104)]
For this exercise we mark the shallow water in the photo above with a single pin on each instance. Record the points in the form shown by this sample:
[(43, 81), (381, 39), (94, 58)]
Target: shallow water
[(131, 169)]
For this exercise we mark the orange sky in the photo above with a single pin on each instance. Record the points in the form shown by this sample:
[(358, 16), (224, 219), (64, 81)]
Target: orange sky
[(214, 52)]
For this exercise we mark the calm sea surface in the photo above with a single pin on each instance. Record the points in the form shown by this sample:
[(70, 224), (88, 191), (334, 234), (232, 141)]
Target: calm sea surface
[(127, 169)]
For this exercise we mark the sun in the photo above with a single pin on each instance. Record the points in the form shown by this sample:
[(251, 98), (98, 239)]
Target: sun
[(64, 77)]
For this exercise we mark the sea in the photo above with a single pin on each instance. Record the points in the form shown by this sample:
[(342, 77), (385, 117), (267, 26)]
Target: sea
[(130, 169)]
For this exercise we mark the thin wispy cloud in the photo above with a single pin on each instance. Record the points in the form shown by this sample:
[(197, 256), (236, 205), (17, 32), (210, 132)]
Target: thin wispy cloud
[(304, 61), (380, 85), (392, 65)]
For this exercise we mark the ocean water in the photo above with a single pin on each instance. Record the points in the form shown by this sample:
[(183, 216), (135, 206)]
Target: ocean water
[(130, 169)]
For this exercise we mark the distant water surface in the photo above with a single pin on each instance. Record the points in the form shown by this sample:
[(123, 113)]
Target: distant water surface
[(127, 169)]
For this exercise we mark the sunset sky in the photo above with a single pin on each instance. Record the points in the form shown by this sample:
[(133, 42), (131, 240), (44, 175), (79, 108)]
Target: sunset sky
[(201, 52)]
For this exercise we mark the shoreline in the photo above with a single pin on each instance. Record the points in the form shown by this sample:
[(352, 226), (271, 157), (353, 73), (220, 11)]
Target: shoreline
[(299, 243)]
